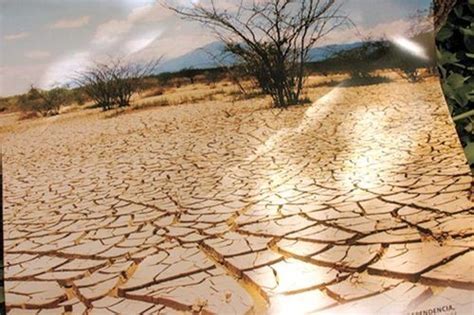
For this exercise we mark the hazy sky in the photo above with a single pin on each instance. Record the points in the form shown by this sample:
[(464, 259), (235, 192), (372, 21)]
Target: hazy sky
[(41, 41)]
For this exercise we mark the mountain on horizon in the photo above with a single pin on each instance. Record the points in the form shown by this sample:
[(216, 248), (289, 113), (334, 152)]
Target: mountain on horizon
[(205, 57)]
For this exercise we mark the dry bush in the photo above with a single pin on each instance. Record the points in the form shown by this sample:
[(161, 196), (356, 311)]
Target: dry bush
[(28, 115), (184, 99), (42, 102), (367, 80), (78, 96), (6, 103), (239, 95), (155, 92), (325, 83), (112, 83), (271, 39), (155, 103)]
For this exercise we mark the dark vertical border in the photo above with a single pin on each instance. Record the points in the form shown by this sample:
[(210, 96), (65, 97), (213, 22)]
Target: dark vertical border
[(455, 51), (2, 284)]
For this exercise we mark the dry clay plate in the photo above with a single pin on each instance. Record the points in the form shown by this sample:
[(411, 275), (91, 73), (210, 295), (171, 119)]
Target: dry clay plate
[(356, 204)]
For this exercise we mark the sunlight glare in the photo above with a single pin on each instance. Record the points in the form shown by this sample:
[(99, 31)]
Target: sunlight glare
[(411, 47)]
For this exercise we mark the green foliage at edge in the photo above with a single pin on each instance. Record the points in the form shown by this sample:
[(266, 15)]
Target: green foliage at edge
[(455, 53)]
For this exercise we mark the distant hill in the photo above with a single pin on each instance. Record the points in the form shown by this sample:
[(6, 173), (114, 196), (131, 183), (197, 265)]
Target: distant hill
[(325, 52), (204, 57), (381, 55), (201, 58)]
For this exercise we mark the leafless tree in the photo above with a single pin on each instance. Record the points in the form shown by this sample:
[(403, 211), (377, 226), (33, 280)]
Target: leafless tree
[(432, 18), (189, 73), (112, 83), (421, 22), (271, 38), (440, 11), (43, 102)]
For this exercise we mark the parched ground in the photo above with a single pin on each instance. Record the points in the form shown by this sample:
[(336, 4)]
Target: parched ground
[(357, 204)]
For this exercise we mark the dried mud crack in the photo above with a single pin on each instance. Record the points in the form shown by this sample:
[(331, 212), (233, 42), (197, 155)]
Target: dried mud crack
[(357, 204)]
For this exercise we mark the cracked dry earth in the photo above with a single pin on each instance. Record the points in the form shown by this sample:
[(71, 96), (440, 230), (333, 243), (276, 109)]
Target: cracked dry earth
[(357, 204)]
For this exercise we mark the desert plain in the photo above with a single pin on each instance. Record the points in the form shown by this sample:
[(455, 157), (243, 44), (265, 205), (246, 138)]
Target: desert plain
[(357, 203)]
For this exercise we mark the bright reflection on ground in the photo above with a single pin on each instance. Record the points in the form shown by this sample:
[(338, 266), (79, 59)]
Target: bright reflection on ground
[(364, 168), (293, 294), (299, 304)]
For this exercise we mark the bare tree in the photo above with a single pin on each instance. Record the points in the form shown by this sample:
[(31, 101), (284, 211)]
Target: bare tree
[(271, 38), (189, 73), (432, 18), (440, 11), (112, 83), (355, 60), (233, 72), (43, 102)]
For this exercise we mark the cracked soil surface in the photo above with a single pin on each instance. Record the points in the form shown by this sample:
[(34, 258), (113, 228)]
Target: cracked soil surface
[(357, 204)]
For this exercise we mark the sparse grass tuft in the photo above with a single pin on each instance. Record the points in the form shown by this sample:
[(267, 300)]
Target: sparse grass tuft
[(154, 92), (305, 100), (367, 80), (162, 102), (28, 115), (239, 95), (330, 83)]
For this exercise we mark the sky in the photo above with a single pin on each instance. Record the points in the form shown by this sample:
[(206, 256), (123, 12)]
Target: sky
[(43, 41)]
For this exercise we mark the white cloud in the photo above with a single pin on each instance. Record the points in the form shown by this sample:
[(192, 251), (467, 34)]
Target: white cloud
[(174, 46), (395, 28), (114, 37), (17, 79), (16, 36), (71, 23), (37, 54), (111, 31), (138, 44), (65, 68), (140, 12)]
